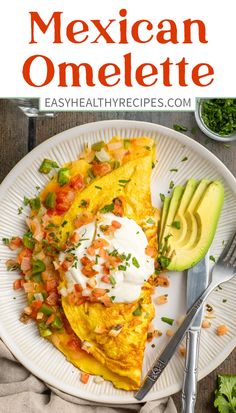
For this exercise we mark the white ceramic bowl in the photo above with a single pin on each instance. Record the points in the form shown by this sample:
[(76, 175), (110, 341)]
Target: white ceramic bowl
[(206, 130)]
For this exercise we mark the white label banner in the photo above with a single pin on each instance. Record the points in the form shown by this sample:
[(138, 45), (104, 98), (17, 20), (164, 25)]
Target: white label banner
[(128, 55)]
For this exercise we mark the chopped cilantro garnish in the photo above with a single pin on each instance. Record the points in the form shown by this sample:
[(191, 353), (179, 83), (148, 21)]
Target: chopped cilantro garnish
[(135, 262), (107, 208), (98, 187), (147, 147), (20, 210), (113, 297), (64, 223), (225, 395), (26, 201), (224, 300), (176, 224), (212, 258), (184, 159), (137, 311), (174, 170), (112, 280), (171, 185), (180, 128), (219, 115), (124, 181), (167, 320), (6, 241), (35, 204), (83, 203), (51, 225), (128, 257), (164, 261), (194, 130), (122, 267), (150, 221), (162, 196)]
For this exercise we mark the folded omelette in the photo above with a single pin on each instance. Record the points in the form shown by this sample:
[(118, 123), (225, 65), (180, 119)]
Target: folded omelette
[(102, 242)]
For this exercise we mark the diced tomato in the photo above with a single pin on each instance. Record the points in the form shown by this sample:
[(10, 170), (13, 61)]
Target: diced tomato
[(100, 169), (53, 298), (66, 265), (74, 344), (77, 182), (118, 207), (76, 299), (150, 251), (74, 238), (82, 219), (51, 285), (91, 251), (64, 200), (88, 271), (105, 299), (84, 377), (36, 305), (99, 243), (105, 279), (86, 261), (15, 243), (17, 284), (116, 224), (105, 269), (26, 252), (98, 292), (102, 253), (78, 288)]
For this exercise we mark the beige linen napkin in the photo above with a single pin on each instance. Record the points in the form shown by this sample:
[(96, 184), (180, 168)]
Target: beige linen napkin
[(21, 392)]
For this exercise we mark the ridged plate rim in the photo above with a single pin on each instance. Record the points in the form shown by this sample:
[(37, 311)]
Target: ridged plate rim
[(68, 135)]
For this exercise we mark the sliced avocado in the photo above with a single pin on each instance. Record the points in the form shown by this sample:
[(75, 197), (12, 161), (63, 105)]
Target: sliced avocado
[(206, 214), (173, 206), (164, 215), (179, 233), (192, 228)]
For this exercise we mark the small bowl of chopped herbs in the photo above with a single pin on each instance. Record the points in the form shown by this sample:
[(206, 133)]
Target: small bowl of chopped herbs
[(217, 118)]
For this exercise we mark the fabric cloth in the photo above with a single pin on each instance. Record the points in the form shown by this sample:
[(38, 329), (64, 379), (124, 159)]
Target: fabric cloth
[(21, 392)]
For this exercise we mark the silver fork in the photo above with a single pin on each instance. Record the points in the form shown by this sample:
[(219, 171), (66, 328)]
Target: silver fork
[(223, 271)]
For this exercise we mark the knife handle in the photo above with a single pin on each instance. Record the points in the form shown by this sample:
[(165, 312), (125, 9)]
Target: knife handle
[(189, 390)]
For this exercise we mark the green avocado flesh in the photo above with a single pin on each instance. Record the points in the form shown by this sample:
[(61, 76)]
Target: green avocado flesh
[(189, 222), (170, 214)]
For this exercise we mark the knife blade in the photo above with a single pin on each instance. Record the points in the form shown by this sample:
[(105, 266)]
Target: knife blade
[(197, 281)]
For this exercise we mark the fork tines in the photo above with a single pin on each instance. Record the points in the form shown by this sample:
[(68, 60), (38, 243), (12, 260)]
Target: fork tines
[(229, 253)]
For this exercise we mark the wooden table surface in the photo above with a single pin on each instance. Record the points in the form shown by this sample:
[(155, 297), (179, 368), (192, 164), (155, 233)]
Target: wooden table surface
[(18, 135)]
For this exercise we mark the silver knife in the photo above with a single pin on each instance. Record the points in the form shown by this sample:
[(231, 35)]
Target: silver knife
[(197, 281), (161, 362)]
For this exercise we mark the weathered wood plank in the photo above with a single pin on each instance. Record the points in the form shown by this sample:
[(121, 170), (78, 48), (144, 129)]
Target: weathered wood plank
[(13, 144), (13, 136)]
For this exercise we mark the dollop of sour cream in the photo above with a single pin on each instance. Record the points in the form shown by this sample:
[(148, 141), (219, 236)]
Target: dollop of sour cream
[(129, 241)]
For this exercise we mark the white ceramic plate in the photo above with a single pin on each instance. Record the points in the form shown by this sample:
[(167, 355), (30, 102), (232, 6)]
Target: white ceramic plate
[(38, 355)]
